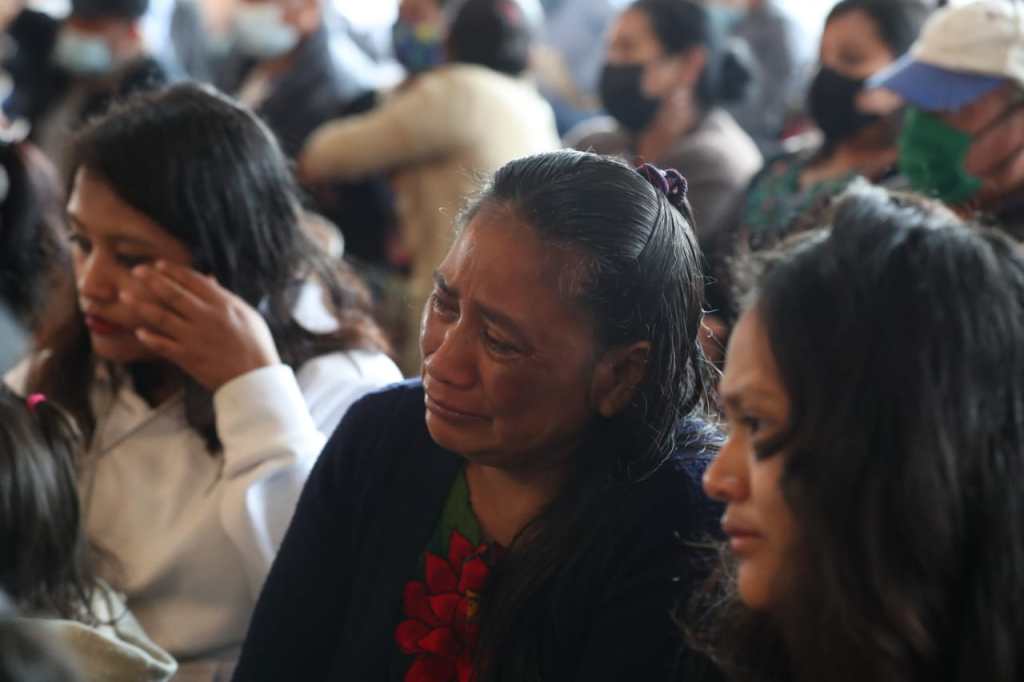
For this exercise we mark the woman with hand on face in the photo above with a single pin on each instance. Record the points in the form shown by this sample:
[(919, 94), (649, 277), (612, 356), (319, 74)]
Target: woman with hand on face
[(212, 348), (527, 510), (874, 469)]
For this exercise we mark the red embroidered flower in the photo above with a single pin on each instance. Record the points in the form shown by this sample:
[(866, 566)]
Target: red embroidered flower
[(440, 627)]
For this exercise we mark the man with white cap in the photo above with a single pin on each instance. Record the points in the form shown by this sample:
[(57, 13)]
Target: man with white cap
[(963, 82)]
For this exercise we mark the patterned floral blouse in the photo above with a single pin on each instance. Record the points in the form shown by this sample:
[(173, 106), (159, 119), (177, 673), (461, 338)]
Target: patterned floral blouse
[(438, 628), (775, 200)]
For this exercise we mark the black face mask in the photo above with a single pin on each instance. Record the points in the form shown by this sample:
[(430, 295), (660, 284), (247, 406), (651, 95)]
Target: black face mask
[(832, 105), (623, 96)]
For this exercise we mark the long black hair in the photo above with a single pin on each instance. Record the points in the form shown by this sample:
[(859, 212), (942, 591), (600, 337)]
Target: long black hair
[(681, 25), (210, 173), (44, 557), (639, 278), (899, 339), (33, 251), (491, 33)]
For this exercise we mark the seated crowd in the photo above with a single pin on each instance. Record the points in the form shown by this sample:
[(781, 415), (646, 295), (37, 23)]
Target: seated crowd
[(459, 352)]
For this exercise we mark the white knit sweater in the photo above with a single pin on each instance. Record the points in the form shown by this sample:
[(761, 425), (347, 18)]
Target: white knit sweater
[(193, 535)]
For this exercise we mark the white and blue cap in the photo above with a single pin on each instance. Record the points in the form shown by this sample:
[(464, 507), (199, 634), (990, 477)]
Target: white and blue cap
[(965, 51)]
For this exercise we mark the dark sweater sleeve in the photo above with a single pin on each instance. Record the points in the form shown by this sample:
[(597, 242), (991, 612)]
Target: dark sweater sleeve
[(637, 634), (637, 628), (299, 616)]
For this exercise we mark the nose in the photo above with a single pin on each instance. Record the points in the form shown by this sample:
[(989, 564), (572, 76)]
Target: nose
[(94, 278), (726, 477), (448, 355)]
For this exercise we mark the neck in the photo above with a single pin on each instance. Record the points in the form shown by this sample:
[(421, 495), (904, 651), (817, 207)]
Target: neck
[(678, 115), (871, 162), (155, 382), (505, 501), (273, 67)]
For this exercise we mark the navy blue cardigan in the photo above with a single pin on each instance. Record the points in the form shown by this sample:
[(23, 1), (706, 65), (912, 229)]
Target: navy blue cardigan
[(333, 598)]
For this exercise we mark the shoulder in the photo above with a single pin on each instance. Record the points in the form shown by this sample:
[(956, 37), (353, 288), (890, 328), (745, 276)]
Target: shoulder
[(116, 648), (383, 432), (381, 414), (675, 491), (601, 135), (347, 367), (719, 143)]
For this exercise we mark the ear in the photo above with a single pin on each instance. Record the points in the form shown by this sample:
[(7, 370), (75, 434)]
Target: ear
[(617, 375), (309, 17), (691, 65)]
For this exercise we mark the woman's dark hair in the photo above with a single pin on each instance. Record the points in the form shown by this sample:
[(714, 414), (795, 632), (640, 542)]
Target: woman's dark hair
[(212, 175), (681, 25), (33, 251), (43, 551), (491, 33), (898, 21), (899, 339), (637, 272)]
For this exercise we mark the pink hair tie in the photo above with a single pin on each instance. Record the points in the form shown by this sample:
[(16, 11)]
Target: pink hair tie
[(33, 400)]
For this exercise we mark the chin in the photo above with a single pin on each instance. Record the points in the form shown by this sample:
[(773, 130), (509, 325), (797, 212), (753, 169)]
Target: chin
[(756, 589), (460, 440), (120, 350)]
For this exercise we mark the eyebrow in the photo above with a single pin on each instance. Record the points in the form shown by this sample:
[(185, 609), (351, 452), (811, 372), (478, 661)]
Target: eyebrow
[(131, 241), (487, 312), (749, 396)]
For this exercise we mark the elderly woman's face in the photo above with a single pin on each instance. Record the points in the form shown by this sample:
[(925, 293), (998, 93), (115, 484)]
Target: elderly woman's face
[(508, 364)]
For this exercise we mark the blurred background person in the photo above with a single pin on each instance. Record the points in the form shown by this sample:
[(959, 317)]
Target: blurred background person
[(284, 67), (97, 53), (33, 236), (570, 54), (874, 390), (668, 71), (962, 81), (419, 33), (448, 125), (176, 35), (861, 38), (200, 425), (782, 58)]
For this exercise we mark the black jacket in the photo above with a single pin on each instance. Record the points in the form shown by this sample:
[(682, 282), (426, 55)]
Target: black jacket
[(334, 595), (316, 88)]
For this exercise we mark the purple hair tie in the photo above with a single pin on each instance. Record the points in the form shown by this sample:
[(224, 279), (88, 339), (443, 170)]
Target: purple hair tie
[(669, 182)]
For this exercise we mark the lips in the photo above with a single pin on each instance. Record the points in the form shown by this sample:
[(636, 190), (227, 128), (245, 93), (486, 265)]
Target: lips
[(451, 412), (103, 327), (742, 538)]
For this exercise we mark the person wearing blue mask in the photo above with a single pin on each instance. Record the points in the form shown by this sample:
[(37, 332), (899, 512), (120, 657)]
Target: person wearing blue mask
[(283, 65), (962, 81), (418, 34), (95, 55)]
